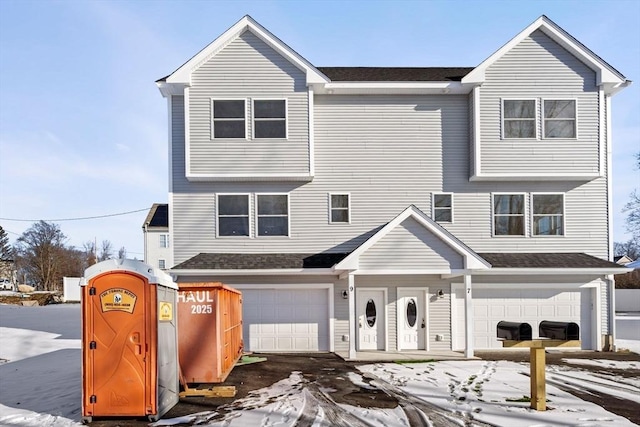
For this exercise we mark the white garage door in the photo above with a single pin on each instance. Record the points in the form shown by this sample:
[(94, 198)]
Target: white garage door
[(285, 319), (490, 306)]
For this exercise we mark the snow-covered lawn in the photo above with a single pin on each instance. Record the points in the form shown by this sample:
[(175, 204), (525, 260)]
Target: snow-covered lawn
[(40, 386)]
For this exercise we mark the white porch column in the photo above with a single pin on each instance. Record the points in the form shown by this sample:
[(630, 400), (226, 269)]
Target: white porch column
[(352, 316), (468, 317)]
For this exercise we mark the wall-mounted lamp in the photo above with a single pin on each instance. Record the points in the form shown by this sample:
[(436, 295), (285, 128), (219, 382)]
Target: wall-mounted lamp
[(440, 294), (345, 294)]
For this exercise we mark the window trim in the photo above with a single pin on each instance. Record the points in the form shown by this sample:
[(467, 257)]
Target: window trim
[(286, 117), (348, 208), (564, 214), (525, 226), (218, 235), (535, 119), (544, 119), (433, 206), (257, 216), (164, 243), (213, 119)]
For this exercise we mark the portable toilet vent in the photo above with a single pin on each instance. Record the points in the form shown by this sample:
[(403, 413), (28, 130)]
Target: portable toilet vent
[(129, 341)]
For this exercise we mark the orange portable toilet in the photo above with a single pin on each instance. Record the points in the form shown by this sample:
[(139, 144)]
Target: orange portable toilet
[(210, 331), (129, 341)]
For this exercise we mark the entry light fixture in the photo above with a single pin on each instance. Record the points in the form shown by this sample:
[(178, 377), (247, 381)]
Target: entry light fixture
[(440, 294)]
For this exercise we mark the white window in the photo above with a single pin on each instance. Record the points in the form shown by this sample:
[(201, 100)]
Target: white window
[(339, 209), (269, 118), (233, 214), (273, 214), (548, 214), (559, 118), (442, 207), (228, 118), (518, 118), (161, 264), (164, 240), (508, 215)]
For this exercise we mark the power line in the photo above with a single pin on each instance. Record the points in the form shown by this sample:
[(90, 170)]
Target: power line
[(75, 219)]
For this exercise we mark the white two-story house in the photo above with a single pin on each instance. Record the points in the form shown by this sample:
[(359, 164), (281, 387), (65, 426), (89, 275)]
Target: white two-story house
[(157, 243), (395, 209)]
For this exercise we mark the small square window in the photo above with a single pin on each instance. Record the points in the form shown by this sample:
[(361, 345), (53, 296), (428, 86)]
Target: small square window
[(233, 214), (339, 209), (508, 215), (273, 214), (519, 118), (228, 119), (269, 119), (559, 118), (443, 207), (161, 264), (548, 214)]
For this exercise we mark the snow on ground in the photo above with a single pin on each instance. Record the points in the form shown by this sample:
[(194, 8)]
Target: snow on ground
[(41, 386)]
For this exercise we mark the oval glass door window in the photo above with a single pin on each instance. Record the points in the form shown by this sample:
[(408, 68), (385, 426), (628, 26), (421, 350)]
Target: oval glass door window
[(370, 312), (412, 312)]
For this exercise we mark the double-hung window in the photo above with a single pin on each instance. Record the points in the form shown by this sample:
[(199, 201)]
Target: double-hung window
[(518, 118), (443, 207), (273, 214), (228, 118), (269, 118), (233, 214), (508, 215), (339, 209), (559, 118), (164, 240), (548, 214)]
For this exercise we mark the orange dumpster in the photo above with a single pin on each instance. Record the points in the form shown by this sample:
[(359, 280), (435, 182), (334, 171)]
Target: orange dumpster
[(129, 341), (210, 331)]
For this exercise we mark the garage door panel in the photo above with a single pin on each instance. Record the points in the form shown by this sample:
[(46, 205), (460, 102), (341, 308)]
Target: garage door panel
[(286, 319)]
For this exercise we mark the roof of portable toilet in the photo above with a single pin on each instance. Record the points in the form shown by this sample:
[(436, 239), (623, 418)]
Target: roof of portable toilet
[(152, 274)]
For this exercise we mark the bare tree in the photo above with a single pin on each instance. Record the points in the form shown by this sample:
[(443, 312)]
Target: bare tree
[(122, 253), (106, 251), (41, 251), (90, 253), (633, 209)]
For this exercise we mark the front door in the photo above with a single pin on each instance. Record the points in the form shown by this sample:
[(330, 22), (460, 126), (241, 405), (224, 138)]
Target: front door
[(412, 319), (371, 319)]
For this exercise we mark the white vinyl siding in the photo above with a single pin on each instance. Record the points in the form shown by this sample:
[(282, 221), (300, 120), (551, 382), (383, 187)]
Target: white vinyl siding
[(539, 69), (247, 69)]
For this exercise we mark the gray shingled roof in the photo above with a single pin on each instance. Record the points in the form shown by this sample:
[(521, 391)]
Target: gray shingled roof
[(546, 260), (206, 261), (395, 74), (229, 261)]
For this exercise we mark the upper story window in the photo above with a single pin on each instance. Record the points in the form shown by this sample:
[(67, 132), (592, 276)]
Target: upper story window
[(508, 214), (269, 118), (164, 240), (443, 207), (339, 209), (273, 214), (559, 118), (233, 214), (548, 214), (518, 118), (161, 264), (228, 119)]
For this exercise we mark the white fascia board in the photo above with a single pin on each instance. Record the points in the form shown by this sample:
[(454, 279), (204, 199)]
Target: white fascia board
[(168, 89), (248, 177), (606, 75), (558, 271), (431, 88), (183, 74), (254, 272), (404, 271), (472, 260), (534, 177)]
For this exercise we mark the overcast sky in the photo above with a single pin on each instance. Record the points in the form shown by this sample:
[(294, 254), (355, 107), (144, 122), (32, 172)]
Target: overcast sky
[(83, 128)]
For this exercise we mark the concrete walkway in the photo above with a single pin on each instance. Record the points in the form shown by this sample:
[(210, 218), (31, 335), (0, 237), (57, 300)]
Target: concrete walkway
[(407, 355)]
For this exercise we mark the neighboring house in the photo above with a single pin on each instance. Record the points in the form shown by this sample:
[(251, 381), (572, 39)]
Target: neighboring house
[(157, 242), (622, 259), (394, 209), (8, 270)]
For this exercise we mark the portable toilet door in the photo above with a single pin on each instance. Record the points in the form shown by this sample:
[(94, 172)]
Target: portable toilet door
[(120, 313)]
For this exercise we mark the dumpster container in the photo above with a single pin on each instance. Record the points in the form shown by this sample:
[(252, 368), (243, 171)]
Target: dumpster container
[(210, 334), (129, 341)]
